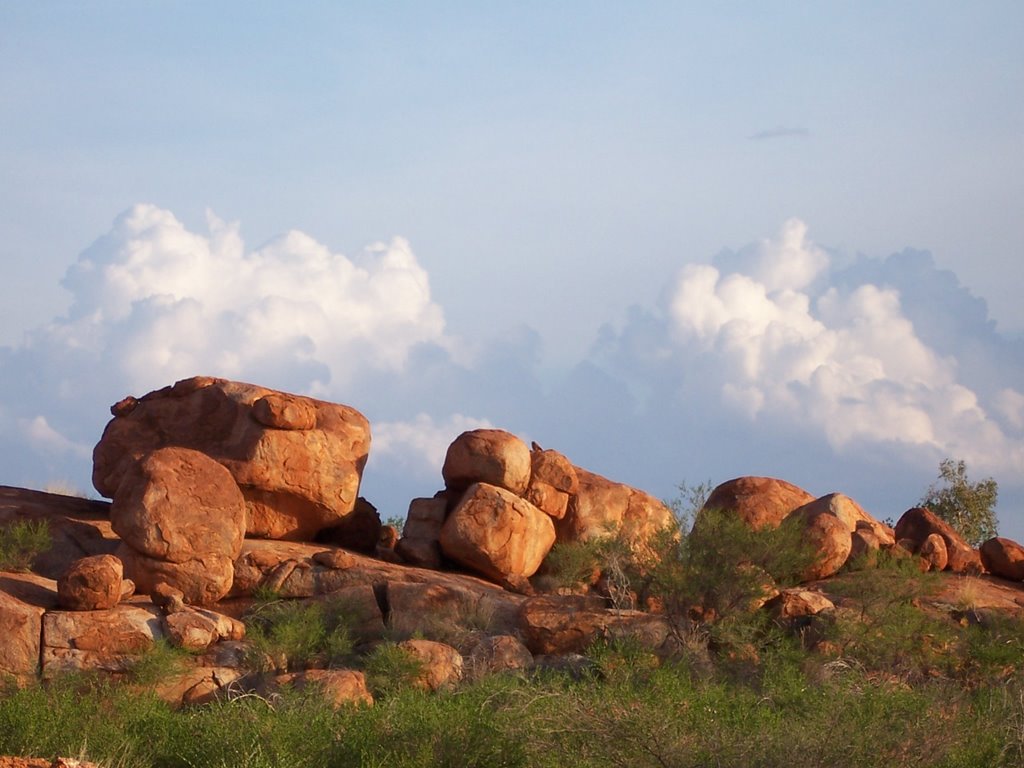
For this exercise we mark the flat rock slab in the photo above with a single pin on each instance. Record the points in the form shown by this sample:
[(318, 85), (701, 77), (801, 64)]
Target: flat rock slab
[(104, 640)]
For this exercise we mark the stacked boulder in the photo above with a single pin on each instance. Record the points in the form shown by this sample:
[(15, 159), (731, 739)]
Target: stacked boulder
[(181, 519), (927, 535), (194, 468), (505, 505)]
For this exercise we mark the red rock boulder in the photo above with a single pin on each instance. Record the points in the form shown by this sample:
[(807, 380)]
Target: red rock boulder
[(497, 534), (601, 507), (298, 461), (831, 541), (761, 502), (851, 515), (1003, 558), (421, 534), (933, 552), (91, 584), (440, 664), (183, 518), (491, 456), (176, 504), (918, 523)]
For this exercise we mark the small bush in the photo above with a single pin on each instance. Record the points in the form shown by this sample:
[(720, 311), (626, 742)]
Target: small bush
[(723, 566), (297, 634), (390, 668), (20, 543), (159, 661)]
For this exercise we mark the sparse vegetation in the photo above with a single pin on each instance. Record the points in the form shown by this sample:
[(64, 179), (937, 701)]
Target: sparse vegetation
[(793, 710), (967, 506), (20, 542), (390, 669), (295, 634)]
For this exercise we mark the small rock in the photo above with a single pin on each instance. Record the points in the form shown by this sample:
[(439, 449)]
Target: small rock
[(91, 584)]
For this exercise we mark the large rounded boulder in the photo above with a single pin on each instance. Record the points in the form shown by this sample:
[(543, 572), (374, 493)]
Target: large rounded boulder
[(1004, 558), (176, 504), (182, 521), (298, 461), (497, 534), (761, 502), (491, 456)]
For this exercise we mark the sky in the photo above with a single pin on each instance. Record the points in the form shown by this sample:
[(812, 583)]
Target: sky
[(677, 241)]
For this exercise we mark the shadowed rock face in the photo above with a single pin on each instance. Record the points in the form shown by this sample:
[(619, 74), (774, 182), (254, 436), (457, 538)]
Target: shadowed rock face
[(1003, 557), (918, 523), (298, 461)]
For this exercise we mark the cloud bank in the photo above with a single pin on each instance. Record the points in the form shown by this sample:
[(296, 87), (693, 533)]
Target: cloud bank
[(778, 358)]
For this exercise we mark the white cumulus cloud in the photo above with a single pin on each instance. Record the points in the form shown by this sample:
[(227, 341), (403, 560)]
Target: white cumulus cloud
[(777, 342), (170, 303), (419, 445)]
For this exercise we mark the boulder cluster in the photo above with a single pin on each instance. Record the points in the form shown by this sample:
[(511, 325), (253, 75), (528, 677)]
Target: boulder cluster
[(841, 531), (221, 491), (505, 505), (194, 468)]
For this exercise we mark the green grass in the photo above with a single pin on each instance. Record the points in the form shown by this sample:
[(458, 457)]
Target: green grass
[(795, 712), (20, 542)]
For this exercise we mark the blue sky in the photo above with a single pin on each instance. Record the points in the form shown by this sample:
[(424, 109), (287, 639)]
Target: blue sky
[(552, 171)]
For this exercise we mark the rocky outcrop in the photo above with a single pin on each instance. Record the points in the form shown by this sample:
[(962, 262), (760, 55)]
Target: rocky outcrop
[(110, 641), (551, 624), (761, 502), (24, 599), (298, 461), (918, 523), (500, 500)]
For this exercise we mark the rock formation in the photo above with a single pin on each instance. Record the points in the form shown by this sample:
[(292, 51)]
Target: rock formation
[(298, 461), (505, 505), (219, 490), (918, 523)]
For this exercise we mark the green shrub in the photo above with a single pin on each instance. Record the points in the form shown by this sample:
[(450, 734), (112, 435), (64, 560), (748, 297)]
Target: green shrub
[(298, 634), (159, 661), (20, 543), (885, 629), (390, 668), (722, 566)]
